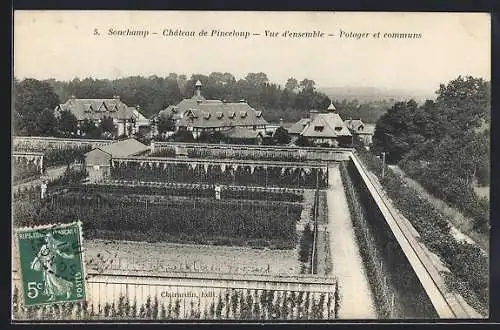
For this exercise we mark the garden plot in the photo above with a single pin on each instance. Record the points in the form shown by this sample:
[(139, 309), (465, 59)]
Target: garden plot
[(169, 257)]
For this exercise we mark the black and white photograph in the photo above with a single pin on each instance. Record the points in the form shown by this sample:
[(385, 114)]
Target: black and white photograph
[(214, 166)]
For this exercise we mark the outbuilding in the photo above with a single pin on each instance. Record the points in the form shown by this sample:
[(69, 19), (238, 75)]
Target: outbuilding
[(98, 160)]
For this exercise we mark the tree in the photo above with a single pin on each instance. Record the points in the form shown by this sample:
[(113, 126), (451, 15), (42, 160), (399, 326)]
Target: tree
[(307, 84), (107, 125), (67, 124), (291, 84), (89, 129), (303, 142), (466, 102), (166, 124), (17, 123), (257, 79), (182, 136), (395, 132), (46, 124), (31, 97), (281, 136)]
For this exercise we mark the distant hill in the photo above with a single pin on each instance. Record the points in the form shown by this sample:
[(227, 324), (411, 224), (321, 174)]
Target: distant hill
[(367, 94)]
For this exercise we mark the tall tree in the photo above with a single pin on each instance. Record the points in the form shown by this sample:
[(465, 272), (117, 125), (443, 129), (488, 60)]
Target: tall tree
[(107, 125), (31, 97), (46, 123), (291, 84), (67, 124)]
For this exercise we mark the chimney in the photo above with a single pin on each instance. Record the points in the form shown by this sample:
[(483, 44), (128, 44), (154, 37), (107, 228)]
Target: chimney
[(197, 88), (281, 122), (242, 101), (138, 107), (313, 114)]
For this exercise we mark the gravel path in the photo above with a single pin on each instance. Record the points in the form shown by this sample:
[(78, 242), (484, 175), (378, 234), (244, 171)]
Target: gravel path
[(356, 297)]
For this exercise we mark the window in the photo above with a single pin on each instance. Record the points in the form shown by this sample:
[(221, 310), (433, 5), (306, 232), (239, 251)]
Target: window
[(102, 107), (219, 114), (243, 114), (258, 114), (338, 128), (231, 114), (319, 128)]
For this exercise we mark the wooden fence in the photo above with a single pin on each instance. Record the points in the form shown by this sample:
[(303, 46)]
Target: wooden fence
[(198, 293)]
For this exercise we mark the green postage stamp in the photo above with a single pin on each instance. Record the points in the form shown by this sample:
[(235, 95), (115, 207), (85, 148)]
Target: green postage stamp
[(51, 264)]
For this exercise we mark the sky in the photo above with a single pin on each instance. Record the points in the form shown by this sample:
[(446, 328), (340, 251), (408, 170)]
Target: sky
[(63, 45)]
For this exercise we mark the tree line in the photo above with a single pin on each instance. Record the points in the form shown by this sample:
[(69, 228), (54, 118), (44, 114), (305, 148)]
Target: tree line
[(34, 100), (444, 144)]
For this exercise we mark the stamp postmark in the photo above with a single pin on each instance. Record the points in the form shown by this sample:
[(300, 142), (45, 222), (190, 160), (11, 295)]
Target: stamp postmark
[(51, 264)]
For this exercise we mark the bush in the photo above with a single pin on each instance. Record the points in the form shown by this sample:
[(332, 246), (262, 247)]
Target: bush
[(452, 190), (464, 260)]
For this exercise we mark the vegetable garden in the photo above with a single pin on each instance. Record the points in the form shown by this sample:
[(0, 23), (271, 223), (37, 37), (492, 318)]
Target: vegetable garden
[(186, 190), (201, 220), (23, 170), (247, 175)]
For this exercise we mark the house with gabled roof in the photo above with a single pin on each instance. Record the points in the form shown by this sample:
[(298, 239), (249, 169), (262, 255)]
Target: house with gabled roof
[(359, 130), (98, 160), (124, 117), (323, 128), (198, 114)]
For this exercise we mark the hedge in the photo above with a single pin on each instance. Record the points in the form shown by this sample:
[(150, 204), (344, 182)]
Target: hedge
[(467, 263)]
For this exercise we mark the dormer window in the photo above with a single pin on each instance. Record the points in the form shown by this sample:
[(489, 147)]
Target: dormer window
[(174, 109), (90, 108), (319, 128), (102, 107), (360, 128), (232, 114), (243, 114), (258, 114), (113, 108), (338, 128), (219, 114), (190, 113), (206, 115)]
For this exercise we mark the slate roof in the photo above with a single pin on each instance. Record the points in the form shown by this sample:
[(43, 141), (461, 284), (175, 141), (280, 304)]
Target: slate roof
[(332, 124), (202, 113), (239, 132), (124, 148), (299, 126), (97, 108), (354, 124)]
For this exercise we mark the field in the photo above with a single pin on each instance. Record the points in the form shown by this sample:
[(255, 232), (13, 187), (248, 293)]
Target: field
[(161, 256)]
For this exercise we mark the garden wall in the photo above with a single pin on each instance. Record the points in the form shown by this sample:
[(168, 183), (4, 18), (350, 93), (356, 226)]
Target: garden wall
[(398, 290)]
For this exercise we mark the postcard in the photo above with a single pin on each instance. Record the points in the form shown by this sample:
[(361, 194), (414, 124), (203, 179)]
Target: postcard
[(209, 166)]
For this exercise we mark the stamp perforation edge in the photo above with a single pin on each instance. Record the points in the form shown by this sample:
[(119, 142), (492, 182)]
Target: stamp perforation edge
[(15, 246)]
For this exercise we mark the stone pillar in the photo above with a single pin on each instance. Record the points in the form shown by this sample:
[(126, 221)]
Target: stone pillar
[(217, 192), (43, 189), (152, 146)]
